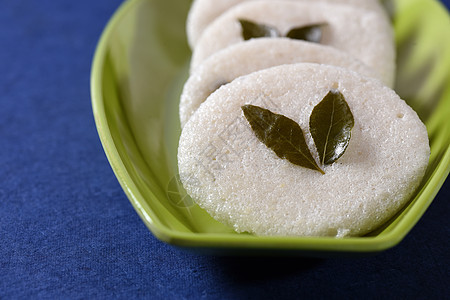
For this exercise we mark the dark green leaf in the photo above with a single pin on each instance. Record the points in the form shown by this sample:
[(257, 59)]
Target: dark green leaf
[(252, 30), (310, 33), (330, 124), (281, 134)]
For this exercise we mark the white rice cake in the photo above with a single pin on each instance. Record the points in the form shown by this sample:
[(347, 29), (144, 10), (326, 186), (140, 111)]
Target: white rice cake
[(254, 55), (361, 33), (203, 12), (244, 184)]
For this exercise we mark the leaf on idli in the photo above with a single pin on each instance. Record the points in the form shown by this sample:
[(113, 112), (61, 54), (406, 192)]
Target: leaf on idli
[(330, 124), (311, 33), (281, 134), (253, 30)]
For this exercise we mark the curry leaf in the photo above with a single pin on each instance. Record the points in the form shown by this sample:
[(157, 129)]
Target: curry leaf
[(330, 124), (281, 134), (253, 30), (310, 33)]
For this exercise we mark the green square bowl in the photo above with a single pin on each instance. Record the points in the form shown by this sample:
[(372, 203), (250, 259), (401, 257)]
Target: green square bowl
[(138, 72)]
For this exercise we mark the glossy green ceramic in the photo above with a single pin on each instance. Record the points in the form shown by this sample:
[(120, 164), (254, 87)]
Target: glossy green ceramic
[(139, 69)]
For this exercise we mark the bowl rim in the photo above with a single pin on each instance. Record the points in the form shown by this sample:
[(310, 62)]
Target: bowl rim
[(365, 244)]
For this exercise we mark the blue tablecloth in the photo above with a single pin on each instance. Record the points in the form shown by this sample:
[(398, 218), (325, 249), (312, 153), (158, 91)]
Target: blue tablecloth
[(67, 229)]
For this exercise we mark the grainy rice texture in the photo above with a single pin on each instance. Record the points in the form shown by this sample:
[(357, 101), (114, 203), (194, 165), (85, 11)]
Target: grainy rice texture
[(361, 33), (244, 184), (203, 12), (254, 55)]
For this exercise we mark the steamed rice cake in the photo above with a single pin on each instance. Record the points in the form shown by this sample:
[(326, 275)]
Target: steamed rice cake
[(203, 12), (253, 55), (361, 33), (244, 184)]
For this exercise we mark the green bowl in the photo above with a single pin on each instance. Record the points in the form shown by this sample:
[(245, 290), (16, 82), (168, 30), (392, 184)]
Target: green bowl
[(138, 72)]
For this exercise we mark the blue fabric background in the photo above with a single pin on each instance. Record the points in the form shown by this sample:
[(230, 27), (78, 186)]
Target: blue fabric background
[(67, 229)]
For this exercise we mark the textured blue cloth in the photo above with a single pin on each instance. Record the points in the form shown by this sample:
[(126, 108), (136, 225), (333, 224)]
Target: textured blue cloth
[(67, 230)]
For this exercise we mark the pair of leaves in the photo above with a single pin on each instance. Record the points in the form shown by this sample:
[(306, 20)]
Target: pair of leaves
[(310, 33), (330, 124)]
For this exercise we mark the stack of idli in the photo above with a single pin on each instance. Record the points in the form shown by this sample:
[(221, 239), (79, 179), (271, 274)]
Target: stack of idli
[(364, 34), (233, 172)]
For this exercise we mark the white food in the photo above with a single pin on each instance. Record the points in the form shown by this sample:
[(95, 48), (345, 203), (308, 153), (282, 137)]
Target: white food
[(203, 12), (361, 33), (254, 55), (242, 183)]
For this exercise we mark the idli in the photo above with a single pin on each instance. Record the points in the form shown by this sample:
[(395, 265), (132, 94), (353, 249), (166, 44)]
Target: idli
[(203, 12), (361, 33), (254, 55), (241, 182)]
